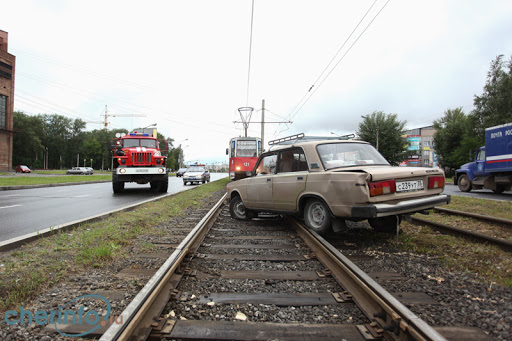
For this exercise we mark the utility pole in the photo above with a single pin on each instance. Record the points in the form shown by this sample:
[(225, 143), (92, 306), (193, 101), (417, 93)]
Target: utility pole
[(262, 123), (377, 139)]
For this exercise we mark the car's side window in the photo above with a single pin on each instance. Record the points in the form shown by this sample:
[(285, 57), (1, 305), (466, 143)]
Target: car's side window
[(292, 161), (267, 165)]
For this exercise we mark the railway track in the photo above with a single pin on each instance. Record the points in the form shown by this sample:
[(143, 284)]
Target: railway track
[(497, 234), (268, 278)]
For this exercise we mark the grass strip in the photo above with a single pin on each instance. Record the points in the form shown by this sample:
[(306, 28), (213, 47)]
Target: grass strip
[(26, 271), (25, 180), (492, 263)]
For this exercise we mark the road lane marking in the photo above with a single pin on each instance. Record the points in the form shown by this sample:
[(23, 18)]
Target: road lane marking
[(81, 196), (9, 206)]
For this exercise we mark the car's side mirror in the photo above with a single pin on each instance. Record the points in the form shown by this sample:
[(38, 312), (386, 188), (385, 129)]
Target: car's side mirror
[(227, 151)]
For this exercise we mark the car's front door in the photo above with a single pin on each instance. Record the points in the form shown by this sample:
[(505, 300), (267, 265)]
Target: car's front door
[(259, 186), (290, 181)]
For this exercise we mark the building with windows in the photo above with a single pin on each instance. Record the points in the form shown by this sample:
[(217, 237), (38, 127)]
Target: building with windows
[(420, 142), (7, 63)]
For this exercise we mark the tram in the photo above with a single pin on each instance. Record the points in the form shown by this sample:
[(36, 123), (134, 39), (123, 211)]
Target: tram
[(243, 153)]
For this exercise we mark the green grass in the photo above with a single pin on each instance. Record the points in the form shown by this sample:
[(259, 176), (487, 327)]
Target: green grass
[(63, 172), (26, 180), (494, 208), (29, 269), (492, 263)]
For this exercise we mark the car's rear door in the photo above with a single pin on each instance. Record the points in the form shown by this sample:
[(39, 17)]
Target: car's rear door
[(290, 181), (259, 186)]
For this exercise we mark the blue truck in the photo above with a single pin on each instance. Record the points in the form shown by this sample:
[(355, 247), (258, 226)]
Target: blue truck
[(492, 168)]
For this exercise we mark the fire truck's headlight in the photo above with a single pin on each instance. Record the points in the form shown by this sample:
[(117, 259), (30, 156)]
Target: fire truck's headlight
[(122, 170), (160, 170)]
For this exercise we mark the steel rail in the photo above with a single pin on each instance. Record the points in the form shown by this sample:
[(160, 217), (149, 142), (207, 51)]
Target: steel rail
[(136, 310), (395, 321), (476, 235), (474, 215)]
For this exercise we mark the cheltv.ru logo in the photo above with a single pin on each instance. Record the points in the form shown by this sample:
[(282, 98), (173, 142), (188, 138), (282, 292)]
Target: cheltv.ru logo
[(63, 316)]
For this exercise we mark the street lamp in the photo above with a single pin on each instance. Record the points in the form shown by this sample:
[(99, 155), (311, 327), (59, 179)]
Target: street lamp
[(151, 125)]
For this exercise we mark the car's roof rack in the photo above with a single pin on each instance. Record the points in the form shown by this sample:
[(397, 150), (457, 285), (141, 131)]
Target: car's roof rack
[(303, 138)]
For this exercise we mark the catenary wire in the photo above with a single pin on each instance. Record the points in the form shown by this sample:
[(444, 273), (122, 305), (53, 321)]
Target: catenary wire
[(292, 114)]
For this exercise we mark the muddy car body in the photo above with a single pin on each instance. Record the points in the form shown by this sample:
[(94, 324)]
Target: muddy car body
[(328, 182)]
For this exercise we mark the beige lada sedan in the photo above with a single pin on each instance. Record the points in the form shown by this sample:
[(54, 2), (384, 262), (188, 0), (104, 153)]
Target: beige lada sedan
[(328, 182)]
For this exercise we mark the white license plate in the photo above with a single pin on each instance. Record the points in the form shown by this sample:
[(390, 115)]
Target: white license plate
[(409, 186)]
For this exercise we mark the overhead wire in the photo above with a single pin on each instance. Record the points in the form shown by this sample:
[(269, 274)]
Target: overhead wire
[(250, 53), (312, 90)]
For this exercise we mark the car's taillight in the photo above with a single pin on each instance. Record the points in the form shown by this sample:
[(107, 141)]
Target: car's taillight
[(435, 182), (382, 187)]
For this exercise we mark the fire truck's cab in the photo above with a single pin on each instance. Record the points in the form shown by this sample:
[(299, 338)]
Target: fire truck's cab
[(137, 158)]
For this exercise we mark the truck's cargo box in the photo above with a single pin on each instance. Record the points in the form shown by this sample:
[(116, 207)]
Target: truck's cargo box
[(498, 148)]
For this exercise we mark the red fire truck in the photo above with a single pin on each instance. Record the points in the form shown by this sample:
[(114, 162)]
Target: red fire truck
[(137, 158), (243, 153)]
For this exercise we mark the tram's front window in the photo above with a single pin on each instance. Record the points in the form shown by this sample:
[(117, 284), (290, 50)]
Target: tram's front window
[(246, 148)]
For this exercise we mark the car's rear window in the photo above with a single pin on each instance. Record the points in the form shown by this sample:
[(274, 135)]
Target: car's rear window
[(335, 155)]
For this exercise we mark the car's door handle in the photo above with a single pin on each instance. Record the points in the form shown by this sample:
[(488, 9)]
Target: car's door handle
[(269, 179), (300, 178)]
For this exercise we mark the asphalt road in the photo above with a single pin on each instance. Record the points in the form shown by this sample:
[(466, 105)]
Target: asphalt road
[(480, 194), (30, 210)]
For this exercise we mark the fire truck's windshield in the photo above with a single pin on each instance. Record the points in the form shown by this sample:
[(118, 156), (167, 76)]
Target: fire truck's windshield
[(148, 143), (246, 148)]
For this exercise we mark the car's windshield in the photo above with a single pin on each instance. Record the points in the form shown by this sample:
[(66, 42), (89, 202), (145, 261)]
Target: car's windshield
[(336, 155), (196, 169)]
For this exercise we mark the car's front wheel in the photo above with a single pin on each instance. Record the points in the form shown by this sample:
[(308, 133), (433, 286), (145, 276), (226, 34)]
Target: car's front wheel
[(237, 209), (317, 216)]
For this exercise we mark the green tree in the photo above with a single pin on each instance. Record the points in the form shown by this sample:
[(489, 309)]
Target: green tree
[(454, 139), (384, 132), (494, 106), (27, 141)]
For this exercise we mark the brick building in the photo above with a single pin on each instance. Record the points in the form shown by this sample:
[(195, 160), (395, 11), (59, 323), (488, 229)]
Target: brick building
[(7, 63)]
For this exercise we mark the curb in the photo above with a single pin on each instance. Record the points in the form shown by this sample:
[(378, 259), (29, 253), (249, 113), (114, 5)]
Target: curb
[(16, 242)]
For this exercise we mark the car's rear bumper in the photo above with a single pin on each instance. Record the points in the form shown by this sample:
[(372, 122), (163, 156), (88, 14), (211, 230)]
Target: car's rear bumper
[(403, 207)]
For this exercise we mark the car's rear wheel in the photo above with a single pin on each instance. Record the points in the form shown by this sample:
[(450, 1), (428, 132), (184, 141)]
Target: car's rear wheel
[(238, 210), (464, 183), (317, 216), (385, 224)]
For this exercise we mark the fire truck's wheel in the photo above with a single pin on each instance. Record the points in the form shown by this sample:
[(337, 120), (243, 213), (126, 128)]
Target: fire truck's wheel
[(163, 185), (237, 209), (317, 216), (464, 183), (118, 186)]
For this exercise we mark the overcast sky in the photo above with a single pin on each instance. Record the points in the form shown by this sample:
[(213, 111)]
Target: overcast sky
[(185, 64)]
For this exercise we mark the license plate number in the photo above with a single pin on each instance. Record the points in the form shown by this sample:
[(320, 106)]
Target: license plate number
[(409, 186)]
